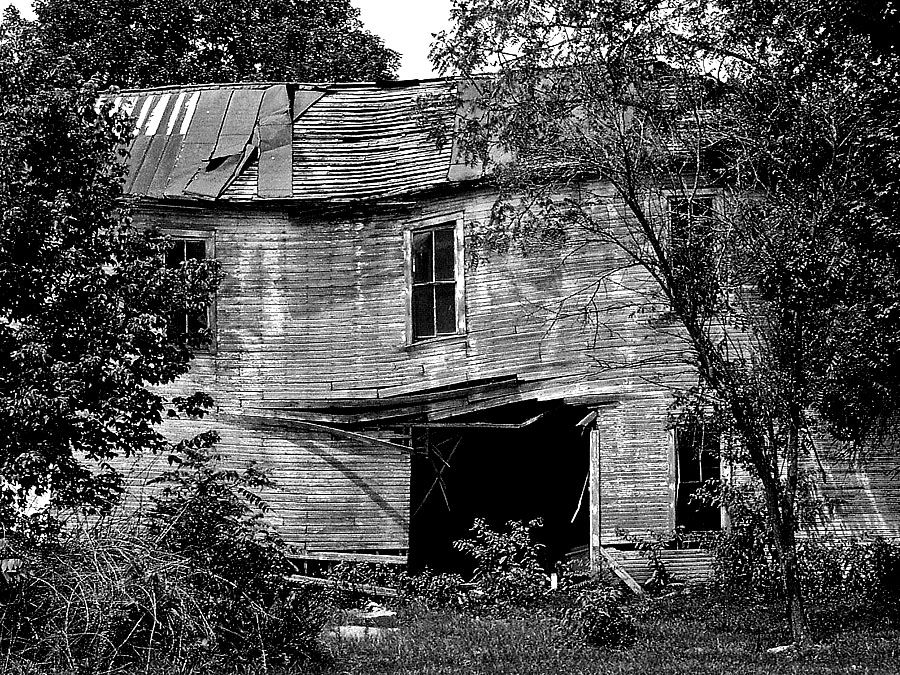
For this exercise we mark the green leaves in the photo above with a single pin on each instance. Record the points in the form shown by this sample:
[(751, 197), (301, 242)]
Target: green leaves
[(139, 43), (85, 298)]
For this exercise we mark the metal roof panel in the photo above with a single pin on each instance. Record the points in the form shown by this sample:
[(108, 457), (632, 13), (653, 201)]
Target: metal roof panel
[(283, 141)]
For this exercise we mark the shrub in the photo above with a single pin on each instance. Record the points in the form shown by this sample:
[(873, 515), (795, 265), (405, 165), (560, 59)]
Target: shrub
[(196, 581), (431, 590), (885, 565), (507, 563), (210, 515), (349, 579), (600, 616), (862, 574), (96, 597)]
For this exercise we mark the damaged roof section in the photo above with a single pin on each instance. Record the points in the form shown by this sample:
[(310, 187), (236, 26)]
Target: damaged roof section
[(254, 142), (194, 142)]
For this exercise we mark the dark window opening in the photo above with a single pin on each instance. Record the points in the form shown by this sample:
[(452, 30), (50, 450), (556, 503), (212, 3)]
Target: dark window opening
[(189, 323), (434, 283), (697, 461), (537, 471), (692, 250)]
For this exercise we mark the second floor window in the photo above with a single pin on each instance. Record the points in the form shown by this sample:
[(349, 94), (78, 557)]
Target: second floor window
[(434, 285), (692, 251), (189, 323)]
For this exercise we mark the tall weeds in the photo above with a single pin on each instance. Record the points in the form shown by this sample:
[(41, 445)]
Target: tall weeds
[(193, 581)]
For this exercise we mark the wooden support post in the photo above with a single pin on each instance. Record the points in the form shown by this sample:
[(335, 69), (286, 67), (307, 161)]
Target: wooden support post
[(621, 572), (594, 472)]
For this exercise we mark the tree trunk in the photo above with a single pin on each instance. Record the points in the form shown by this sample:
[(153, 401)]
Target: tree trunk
[(782, 523), (786, 542)]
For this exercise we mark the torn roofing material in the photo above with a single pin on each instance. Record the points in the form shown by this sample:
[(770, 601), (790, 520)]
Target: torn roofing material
[(256, 142), (192, 142)]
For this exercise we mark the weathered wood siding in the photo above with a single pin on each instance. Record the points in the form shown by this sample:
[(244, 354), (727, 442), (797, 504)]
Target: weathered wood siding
[(331, 493), (691, 566), (312, 307), (636, 473), (863, 494)]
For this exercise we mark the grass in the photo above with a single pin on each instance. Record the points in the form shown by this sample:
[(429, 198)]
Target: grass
[(686, 633)]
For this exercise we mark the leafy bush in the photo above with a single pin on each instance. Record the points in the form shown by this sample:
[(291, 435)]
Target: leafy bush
[(211, 516), (744, 565), (885, 566), (196, 581), (507, 563), (600, 616), (862, 574), (431, 590)]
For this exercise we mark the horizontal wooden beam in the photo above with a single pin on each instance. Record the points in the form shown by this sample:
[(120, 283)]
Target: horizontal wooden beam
[(349, 556), (477, 425), (288, 421), (367, 589)]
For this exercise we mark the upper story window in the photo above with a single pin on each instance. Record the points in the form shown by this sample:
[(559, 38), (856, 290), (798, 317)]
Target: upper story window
[(691, 229), (696, 461), (692, 249), (199, 325), (435, 282)]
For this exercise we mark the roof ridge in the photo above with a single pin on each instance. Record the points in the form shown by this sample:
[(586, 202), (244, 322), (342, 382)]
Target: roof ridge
[(324, 86)]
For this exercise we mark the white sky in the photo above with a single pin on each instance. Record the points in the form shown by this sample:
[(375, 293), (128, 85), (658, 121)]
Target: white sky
[(404, 25)]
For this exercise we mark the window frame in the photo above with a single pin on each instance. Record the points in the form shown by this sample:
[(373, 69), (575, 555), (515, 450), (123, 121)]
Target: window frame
[(432, 225), (209, 239), (677, 482)]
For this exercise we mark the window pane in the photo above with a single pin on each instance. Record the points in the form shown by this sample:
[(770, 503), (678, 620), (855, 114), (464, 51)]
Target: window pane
[(697, 447), (445, 307), (710, 467), (195, 250), (422, 257), (688, 454), (175, 255), (423, 311), (444, 244), (197, 321)]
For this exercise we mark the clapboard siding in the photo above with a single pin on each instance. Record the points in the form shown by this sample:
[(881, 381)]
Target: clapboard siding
[(312, 307), (330, 493), (863, 493), (635, 476), (691, 566)]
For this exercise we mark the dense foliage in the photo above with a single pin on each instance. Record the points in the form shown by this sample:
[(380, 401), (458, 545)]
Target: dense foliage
[(601, 618), (196, 581), (135, 43), (507, 562), (85, 297)]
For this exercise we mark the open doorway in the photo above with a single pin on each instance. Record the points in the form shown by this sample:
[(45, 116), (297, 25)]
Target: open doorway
[(504, 473)]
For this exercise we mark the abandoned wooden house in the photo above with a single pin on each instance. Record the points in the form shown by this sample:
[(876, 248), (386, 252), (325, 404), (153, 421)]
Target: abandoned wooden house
[(395, 389)]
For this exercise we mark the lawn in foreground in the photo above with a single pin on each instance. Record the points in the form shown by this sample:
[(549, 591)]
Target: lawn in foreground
[(683, 633)]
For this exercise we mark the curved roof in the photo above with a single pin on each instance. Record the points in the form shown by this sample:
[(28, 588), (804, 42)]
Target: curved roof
[(261, 142)]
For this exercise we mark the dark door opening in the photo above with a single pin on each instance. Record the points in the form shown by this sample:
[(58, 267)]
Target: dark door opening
[(459, 474)]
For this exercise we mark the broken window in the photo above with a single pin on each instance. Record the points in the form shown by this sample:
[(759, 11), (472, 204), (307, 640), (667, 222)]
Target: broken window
[(434, 282), (193, 325), (696, 461)]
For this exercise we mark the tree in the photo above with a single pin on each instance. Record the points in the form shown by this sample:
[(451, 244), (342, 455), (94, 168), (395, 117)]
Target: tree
[(85, 298), (144, 43), (786, 295)]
